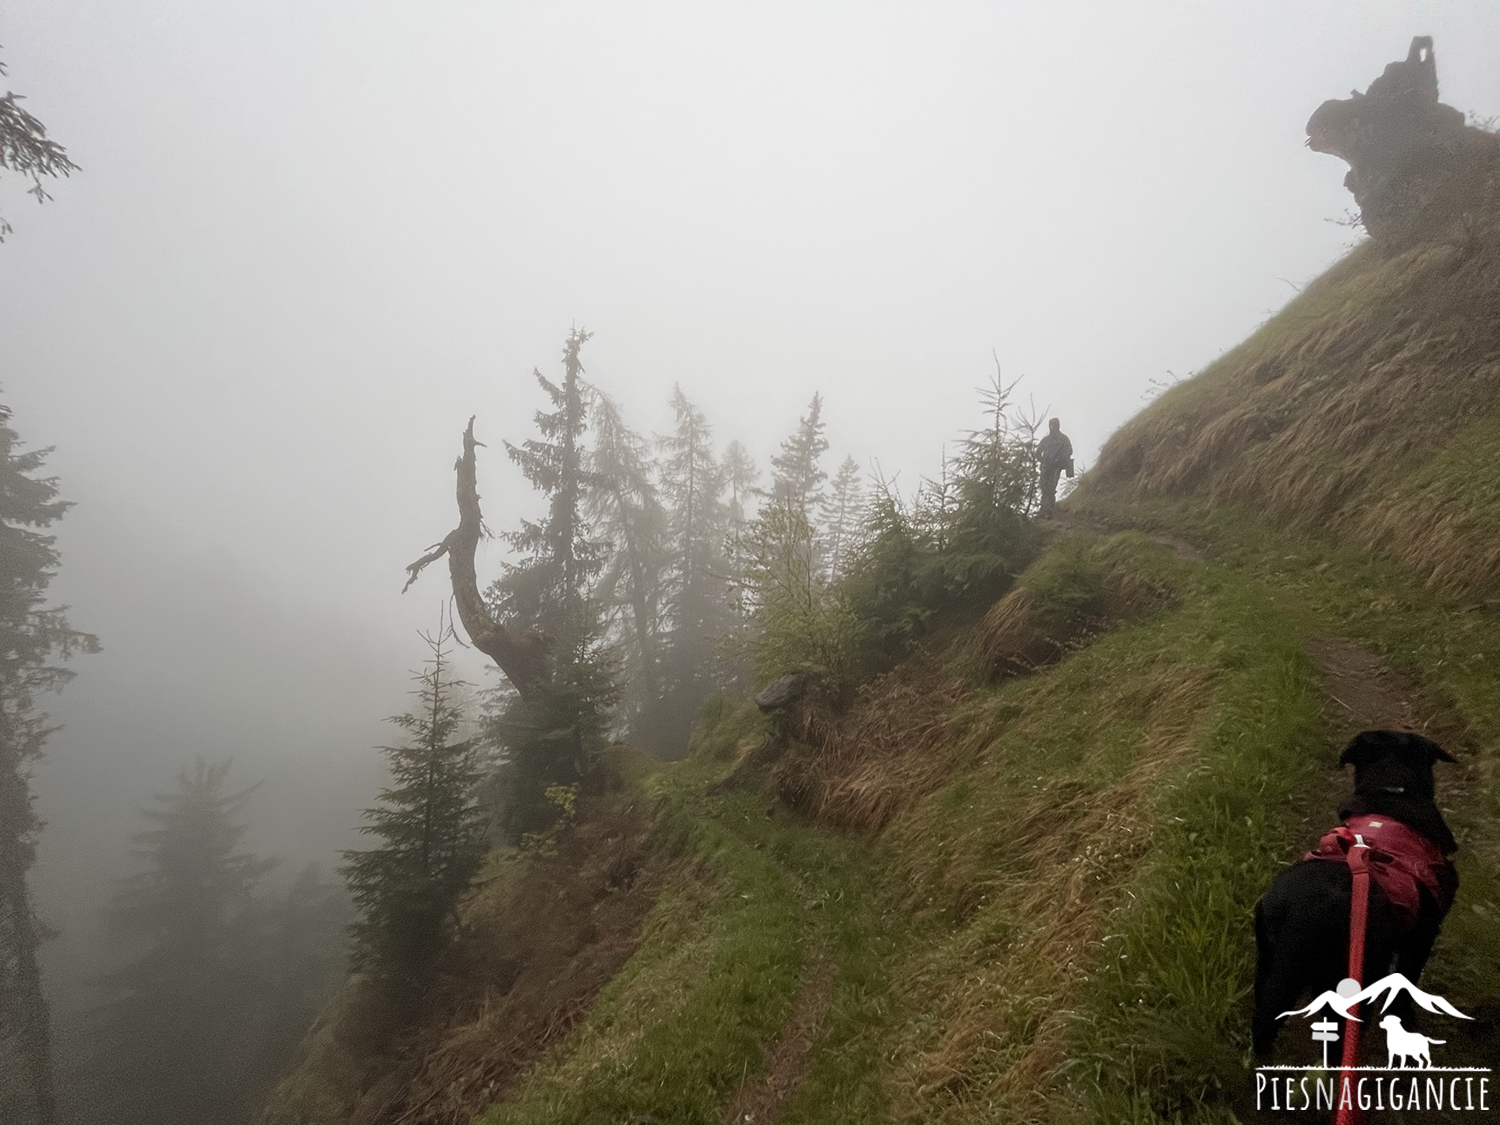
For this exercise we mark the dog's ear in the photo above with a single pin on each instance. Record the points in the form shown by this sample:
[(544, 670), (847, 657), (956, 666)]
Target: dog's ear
[(1430, 750), (1414, 748), (1366, 747), (1372, 745)]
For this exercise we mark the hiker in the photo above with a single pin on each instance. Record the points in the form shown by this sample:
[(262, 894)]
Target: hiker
[(1055, 452)]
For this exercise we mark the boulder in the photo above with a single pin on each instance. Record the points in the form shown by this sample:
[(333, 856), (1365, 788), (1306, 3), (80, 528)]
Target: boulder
[(783, 693)]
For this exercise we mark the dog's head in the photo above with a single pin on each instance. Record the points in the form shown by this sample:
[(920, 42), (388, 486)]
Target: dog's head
[(1392, 1022), (1394, 761)]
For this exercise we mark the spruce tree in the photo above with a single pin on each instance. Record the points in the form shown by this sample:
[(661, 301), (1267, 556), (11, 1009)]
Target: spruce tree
[(784, 540), (797, 474), (996, 477), (26, 148), (986, 536), (625, 509), (430, 828), (548, 588), (798, 618), (551, 738), (172, 1038), (696, 605), (301, 960), (33, 637), (740, 476), (843, 514)]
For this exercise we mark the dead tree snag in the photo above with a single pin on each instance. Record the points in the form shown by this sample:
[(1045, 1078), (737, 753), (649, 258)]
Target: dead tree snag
[(523, 657)]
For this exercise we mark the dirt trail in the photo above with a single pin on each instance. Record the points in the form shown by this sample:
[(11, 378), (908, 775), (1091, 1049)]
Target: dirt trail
[(1064, 522), (760, 1099), (1368, 694)]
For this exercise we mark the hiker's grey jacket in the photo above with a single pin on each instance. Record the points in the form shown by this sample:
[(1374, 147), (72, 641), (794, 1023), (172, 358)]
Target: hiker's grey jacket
[(1055, 450)]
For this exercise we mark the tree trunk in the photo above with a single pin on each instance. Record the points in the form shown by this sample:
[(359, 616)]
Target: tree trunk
[(523, 657), (29, 1016)]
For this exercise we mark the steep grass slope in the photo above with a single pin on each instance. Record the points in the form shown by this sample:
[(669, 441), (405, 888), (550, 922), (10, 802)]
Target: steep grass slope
[(1368, 409), (1030, 901), (1063, 864)]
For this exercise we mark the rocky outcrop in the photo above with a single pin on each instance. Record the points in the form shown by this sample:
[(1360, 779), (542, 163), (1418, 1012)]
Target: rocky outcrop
[(1414, 164), (783, 693)]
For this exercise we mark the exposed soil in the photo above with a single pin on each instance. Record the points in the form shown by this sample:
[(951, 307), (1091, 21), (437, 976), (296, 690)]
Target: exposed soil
[(760, 1098), (1368, 695)]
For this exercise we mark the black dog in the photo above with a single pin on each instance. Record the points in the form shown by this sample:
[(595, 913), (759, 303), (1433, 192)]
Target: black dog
[(1302, 923)]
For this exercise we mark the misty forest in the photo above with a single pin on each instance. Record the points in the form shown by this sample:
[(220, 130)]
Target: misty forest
[(713, 582)]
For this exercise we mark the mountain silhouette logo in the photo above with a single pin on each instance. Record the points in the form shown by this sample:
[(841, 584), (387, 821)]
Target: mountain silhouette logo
[(1340, 1002)]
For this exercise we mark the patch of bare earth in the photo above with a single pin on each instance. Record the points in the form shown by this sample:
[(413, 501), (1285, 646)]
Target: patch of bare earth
[(761, 1098), (1366, 695)]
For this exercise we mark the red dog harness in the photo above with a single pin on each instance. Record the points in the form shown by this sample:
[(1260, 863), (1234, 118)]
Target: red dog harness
[(1401, 860)]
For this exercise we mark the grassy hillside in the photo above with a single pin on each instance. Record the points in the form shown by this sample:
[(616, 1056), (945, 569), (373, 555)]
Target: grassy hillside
[(1014, 882), (1368, 409), (1031, 901)]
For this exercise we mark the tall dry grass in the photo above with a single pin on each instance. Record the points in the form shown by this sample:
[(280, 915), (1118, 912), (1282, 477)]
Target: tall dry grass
[(1328, 416)]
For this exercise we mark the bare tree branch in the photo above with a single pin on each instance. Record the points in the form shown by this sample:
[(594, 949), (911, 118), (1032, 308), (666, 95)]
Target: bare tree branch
[(523, 657)]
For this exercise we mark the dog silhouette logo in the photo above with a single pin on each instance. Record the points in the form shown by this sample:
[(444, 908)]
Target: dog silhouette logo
[(1402, 1044)]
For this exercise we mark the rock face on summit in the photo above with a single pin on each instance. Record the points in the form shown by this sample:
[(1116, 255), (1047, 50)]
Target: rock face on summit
[(1413, 162)]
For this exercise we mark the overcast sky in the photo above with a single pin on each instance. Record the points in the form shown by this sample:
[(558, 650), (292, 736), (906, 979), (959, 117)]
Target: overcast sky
[(310, 239)]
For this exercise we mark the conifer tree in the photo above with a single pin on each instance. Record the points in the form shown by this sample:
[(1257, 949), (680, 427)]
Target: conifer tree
[(996, 476), (33, 637), (842, 515), (430, 828), (626, 510), (799, 621), (173, 1037), (548, 588), (740, 476), (302, 958), (785, 535), (550, 738), (694, 486), (986, 535), (695, 606), (797, 474), (26, 148)]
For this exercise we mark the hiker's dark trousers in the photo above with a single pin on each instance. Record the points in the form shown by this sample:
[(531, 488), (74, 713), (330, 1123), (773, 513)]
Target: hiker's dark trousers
[(1050, 473)]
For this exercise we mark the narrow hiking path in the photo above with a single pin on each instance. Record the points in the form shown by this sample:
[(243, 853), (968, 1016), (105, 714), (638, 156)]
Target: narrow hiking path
[(761, 1097), (823, 1063), (1065, 522), (1368, 695)]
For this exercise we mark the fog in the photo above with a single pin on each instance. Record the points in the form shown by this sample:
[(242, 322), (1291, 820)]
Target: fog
[(309, 240)]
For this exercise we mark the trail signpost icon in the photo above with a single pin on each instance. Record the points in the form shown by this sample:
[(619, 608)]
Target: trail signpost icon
[(1325, 1032)]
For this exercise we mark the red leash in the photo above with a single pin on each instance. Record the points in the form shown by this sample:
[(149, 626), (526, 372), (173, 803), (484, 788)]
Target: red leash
[(1349, 1112)]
